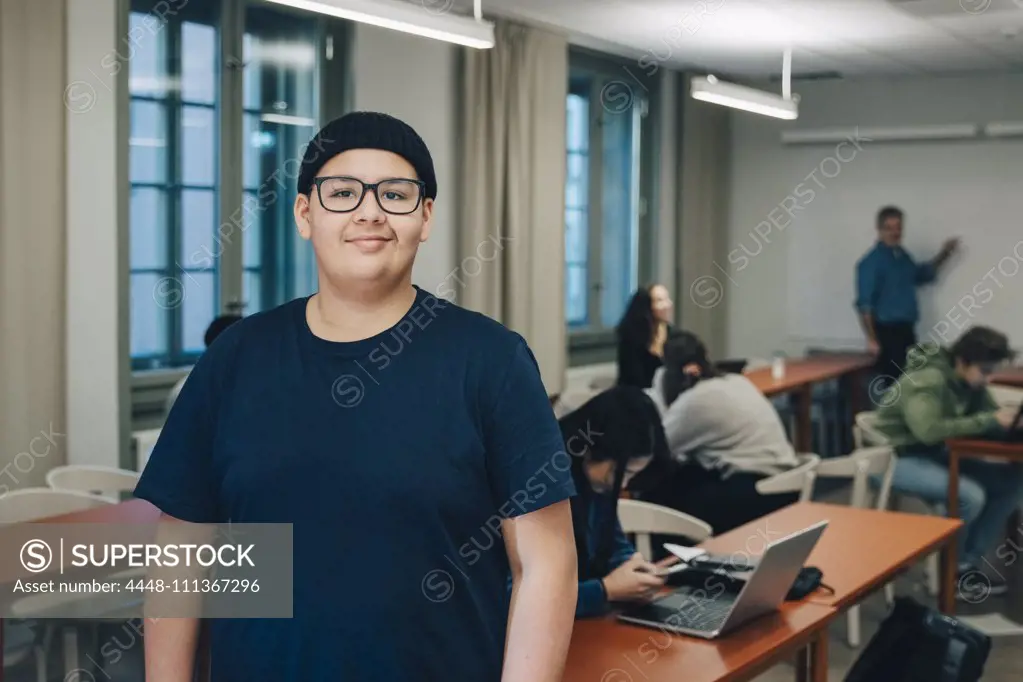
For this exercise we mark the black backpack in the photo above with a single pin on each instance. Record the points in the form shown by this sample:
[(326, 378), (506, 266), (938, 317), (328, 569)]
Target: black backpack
[(918, 644)]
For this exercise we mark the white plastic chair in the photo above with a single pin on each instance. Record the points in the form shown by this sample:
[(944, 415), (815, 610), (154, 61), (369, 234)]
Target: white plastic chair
[(145, 441), (644, 519), (799, 479), (32, 504), (107, 482), (859, 467), (866, 434)]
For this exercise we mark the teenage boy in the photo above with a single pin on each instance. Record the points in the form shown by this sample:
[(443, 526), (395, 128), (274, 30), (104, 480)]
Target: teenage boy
[(944, 395), (389, 427)]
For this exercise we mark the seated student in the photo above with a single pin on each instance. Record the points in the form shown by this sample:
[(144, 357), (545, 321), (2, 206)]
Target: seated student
[(641, 335), (611, 439), (726, 432), (942, 395)]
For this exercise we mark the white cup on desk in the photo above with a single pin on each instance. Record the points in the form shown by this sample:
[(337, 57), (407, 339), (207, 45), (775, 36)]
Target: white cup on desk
[(778, 366)]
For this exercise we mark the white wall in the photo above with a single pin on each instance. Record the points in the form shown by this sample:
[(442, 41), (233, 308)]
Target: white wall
[(789, 276), (415, 79), (97, 281)]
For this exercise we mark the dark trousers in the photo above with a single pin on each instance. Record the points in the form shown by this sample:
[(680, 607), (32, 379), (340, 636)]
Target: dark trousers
[(724, 503), (894, 340)]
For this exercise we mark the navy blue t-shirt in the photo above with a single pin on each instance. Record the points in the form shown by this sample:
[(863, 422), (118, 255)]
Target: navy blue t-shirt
[(395, 458)]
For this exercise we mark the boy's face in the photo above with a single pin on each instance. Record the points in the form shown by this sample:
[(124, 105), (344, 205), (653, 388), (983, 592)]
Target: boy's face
[(368, 244), (975, 375)]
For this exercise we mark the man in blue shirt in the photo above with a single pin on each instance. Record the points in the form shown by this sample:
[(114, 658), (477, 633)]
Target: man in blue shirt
[(409, 441), (886, 282)]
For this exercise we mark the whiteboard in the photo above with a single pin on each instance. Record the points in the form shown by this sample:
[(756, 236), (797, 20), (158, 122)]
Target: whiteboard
[(970, 189)]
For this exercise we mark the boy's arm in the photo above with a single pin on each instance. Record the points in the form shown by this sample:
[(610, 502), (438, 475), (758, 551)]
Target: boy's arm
[(542, 555)]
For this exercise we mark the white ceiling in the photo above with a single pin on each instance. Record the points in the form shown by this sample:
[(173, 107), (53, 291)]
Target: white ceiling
[(747, 37)]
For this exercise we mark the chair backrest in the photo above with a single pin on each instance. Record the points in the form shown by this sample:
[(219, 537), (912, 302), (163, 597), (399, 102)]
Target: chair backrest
[(1006, 396), (865, 433), (93, 479), (799, 479), (858, 467), (31, 504), (145, 441), (644, 519)]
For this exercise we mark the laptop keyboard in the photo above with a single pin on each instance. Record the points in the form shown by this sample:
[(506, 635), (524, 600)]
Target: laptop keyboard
[(691, 612)]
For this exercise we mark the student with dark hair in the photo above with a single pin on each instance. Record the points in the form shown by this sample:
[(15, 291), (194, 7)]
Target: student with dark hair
[(944, 395), (641, 334), (216, 328), (886, 282), (727, 434), (614, 441)]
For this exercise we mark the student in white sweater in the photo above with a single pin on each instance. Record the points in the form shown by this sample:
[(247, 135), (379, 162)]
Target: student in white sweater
[(726, 434)]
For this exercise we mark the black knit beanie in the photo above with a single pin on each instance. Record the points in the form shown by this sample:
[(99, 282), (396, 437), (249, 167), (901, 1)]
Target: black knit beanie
[(367, 130)]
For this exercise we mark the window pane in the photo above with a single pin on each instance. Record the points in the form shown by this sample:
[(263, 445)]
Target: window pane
[(251, 91), (148, 224), (198, 145), (254, 144), (197, 308), (198, 223), (575, 295), (252, 286), (577, 180), (251, 236), (151, 295), (147, 66), (578, 122), (148, 142), (576, 242), (619, 249), (198, 62)]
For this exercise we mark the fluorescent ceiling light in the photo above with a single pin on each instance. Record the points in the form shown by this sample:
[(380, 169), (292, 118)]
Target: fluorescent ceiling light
[(284, 119), (1004, 129), (956, 131), (710, 89), (406, 17)]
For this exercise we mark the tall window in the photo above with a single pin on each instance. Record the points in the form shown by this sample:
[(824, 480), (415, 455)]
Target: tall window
[(209, 235), (173, 173), (606, 228), (280, 116)]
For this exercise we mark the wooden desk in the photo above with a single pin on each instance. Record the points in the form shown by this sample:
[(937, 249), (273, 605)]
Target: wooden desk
[(132, 511), (959, 448), (606, 650), (800, 376), (859, 552), (1012, 377)]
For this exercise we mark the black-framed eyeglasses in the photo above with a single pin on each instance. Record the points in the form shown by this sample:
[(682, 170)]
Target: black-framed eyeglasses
[(344, 194)]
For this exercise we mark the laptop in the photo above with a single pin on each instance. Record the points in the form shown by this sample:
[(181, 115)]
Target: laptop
[(1015, 433), (711, 611), (731, 366)]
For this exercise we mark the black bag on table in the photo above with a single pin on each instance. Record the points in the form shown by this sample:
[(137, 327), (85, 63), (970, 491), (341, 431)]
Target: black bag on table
[(918, 644)]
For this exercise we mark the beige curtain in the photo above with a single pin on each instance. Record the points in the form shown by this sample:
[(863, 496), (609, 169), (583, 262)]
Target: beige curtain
[(704, 150), (32, 81), (511, 240)]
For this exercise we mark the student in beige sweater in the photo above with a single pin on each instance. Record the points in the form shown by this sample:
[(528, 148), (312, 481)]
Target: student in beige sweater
[(724, 431)]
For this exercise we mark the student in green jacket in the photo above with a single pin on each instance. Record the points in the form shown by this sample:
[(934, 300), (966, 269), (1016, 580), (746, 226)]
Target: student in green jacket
[(942, 395)]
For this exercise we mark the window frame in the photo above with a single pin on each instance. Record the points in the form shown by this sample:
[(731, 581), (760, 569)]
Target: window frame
[(332, 38), (591, 346), (172, 186)]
